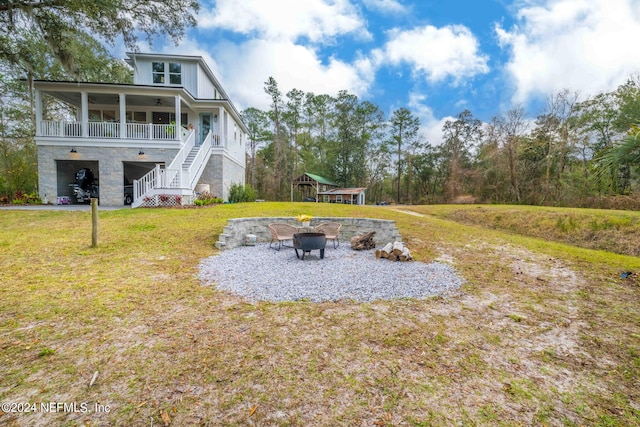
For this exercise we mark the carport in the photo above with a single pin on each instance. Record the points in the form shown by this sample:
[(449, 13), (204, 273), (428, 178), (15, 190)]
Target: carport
[(66, 176), (132, 171)]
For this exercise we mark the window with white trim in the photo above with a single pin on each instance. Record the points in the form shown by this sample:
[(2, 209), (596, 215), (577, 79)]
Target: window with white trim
[(158, 72), (166, 72), (175, 73)]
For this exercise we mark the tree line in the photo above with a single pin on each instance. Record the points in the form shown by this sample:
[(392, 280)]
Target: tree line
[(576, 152)]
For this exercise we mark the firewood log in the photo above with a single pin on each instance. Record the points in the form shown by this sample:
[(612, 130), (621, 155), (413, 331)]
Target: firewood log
[(405, 255), (364, 241), (386, 250), (397, 248)]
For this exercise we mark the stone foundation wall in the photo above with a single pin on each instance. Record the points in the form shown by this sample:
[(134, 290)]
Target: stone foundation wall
[(236, 229), (109, 170), (221, 173)]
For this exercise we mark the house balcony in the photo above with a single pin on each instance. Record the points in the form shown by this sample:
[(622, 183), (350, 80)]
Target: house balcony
[(110, 130)]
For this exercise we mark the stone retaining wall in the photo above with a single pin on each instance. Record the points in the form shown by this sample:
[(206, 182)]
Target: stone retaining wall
[(236, 229)]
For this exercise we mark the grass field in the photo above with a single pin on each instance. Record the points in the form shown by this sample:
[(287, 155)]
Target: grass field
[(544, 332)]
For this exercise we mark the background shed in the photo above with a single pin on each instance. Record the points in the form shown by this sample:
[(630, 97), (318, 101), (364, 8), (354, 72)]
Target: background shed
[(354, 196), (310, 185)]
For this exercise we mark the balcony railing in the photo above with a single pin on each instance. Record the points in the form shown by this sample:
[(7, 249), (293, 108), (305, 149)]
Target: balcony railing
[(68, 129)]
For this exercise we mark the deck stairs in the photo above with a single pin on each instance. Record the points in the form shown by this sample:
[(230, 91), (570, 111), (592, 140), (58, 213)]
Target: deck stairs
[(175, 184)]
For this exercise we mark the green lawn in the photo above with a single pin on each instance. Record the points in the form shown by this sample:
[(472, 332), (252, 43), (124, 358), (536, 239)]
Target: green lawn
[(544, 332)]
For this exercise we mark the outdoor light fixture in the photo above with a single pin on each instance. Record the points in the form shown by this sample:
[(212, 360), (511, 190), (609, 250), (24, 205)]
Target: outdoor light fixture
[(73, 150), (140, 153), (215, 118)]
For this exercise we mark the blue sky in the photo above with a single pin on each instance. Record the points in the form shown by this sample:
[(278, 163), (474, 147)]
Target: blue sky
[(435, 57)]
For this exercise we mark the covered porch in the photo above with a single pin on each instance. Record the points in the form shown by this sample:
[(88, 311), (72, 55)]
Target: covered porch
[(123, 112)]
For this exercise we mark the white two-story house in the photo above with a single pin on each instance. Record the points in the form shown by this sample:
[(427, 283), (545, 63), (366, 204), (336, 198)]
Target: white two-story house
[(158, 141)]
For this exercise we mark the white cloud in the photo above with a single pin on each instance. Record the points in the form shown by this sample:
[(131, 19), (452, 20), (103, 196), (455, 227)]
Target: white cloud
[(439, 53), (430, 126), (586, 45), (285, 20), (385, 6), (245, 67)]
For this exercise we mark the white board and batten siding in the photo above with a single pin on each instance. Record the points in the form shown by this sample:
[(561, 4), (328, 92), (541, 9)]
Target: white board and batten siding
[(206, 89), (143, 73)]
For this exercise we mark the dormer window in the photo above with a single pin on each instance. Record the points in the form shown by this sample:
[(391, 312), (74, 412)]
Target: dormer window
[(167, 72)]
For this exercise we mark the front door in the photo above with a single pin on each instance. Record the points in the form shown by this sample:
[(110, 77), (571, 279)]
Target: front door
[(206, 120)]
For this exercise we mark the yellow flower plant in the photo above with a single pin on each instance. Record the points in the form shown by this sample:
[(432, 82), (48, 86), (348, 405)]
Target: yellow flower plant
[(304, 218)]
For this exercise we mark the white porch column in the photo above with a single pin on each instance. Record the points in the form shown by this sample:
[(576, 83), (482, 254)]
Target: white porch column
[(225, 127), (123, 115), (218, 125), (84, 116), (178, 114), (38, 99)]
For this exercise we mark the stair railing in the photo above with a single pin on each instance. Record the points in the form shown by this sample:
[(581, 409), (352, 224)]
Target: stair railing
[(197, 166), (179, 159)]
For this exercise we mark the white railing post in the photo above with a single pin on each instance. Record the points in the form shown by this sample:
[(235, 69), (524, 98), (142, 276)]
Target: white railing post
[(158, 176), (136, 194), (122, 100), (38, 100)]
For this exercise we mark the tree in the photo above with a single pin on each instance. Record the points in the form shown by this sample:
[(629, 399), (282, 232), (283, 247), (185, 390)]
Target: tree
[(506, 132), (557, 128), (626, 152), (258, 123), (628, 103), (460, 136), (404, 131), (281, 166), (345, 141), (57, 24), (292, 116), (319, 110), (596, 125), (18, 162)]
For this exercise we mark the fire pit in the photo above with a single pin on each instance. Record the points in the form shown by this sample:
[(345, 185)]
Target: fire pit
[(307, 242)]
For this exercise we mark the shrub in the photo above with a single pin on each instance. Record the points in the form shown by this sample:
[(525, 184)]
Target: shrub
[(241, 193), (205, 199)]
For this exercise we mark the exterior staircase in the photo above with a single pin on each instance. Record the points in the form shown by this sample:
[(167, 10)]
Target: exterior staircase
[(190, 158), (175, 184)]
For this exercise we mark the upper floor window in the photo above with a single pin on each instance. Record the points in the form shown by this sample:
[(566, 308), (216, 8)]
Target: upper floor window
[(158, 72), (163, 72), (175, 73)]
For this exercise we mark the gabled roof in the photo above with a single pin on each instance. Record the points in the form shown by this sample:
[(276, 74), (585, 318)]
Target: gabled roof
[(319, 179), (311, 179), (199, 59)]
